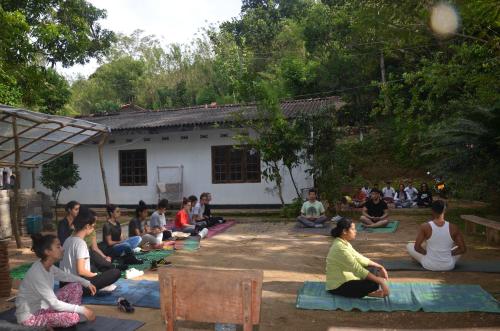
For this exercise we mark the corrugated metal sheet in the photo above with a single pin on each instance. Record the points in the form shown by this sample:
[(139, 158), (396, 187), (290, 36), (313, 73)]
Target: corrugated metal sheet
[(200, 115)]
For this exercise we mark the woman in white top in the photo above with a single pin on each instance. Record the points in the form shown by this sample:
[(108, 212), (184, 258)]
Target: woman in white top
[(36, 302), (444, 244), (76, 258)]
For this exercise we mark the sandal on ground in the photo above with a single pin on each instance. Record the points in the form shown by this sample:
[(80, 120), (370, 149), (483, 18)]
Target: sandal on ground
[(125, 306)]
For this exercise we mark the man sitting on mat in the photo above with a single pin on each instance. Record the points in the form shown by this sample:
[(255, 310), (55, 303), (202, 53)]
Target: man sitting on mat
[(312, 214), (388, 193), (439, 244), (346, 272), (375, 211)]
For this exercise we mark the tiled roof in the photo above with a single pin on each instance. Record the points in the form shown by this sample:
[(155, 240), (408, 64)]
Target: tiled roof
[(139, 118)]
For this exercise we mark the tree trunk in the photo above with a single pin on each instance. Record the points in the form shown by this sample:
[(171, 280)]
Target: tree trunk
[(294, 184), (279, 181)]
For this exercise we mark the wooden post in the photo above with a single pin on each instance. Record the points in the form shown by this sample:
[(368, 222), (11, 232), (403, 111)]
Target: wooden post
[(16, 220), (101, 163), (33, 170)]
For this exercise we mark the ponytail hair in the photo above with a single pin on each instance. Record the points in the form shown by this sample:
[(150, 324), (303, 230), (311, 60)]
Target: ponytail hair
[(140, 208), (343, 224), (41, 243)]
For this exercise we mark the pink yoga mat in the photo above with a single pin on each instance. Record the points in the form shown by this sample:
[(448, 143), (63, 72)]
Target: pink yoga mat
[(219, 228)]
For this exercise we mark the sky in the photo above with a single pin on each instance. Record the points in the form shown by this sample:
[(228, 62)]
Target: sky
[(171, 20)]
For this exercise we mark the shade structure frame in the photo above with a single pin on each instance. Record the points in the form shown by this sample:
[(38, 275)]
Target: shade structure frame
[(45, 137)]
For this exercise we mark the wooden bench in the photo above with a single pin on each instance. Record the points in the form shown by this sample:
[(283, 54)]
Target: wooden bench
[(492, 227), (210, 295)]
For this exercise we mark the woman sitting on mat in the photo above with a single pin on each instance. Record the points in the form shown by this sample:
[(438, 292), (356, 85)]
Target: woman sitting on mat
[(182, 221), (346, 272), (76, 259), (137, 227), (114, 240), (158, 221), (36, 302)]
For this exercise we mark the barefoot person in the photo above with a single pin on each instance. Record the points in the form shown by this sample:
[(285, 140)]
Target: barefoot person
[(375, 211), (346, 272), (36, 302), (312, 214), (439, 244)]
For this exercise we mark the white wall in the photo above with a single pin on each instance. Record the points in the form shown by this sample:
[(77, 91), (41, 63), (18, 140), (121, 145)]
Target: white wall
[(194, 154)]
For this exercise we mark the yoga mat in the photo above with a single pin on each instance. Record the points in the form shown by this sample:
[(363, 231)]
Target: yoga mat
[(299, 228), (389, 228), (219, 228), (20, 271), (404, 296), (101, 323), (140, 293), (148, 257), (462, 265), (190, 244)]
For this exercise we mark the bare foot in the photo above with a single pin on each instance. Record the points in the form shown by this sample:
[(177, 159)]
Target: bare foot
[(376, 294)]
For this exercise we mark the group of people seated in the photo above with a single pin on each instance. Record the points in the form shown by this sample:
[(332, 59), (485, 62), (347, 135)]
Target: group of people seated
[(83, 267), (438, 246), (406, 196)]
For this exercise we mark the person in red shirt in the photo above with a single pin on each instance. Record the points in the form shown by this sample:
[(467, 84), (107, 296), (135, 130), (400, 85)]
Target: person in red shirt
[(182, 221)]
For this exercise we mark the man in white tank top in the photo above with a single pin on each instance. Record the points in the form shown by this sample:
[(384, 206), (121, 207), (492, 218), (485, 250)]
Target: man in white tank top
[(439, 244)]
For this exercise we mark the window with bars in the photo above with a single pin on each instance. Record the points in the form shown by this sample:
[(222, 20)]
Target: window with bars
[(133, 168), (235, 165)]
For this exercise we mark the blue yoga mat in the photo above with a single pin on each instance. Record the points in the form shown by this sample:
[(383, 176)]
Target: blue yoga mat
[(404, 296), (140, 293), (101, 323)]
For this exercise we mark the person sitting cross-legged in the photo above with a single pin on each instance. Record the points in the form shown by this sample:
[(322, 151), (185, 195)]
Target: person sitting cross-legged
[(424, 197), (37, 304), (183, 224), (388, 193), (312, 214), (375, 211), (402, 199), (158, 221), (114, 241), (439, 244), (138, 227), (346, 272), (76, 258)]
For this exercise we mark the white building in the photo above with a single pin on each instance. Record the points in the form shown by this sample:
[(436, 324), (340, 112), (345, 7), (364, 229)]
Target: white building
[(190, 146)]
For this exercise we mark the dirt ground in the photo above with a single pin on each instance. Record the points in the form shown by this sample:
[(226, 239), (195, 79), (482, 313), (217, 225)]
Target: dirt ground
[(288, 259)]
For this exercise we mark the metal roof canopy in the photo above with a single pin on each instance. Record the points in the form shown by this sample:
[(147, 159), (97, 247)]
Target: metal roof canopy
[(40, 137)]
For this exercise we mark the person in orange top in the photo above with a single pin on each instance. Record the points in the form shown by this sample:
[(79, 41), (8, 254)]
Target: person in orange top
[(183, 224)]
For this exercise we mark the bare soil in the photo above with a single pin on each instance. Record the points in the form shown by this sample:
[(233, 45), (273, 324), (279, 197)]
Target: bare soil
[(288, 259)]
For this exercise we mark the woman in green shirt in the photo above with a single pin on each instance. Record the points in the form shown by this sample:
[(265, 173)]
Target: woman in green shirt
[(346, 272)]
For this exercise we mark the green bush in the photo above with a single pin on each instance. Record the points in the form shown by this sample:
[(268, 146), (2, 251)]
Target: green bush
[(292, 210)]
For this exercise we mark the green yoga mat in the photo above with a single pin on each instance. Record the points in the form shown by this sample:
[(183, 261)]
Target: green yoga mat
[(148, 257), (391, 227), (429, 297)]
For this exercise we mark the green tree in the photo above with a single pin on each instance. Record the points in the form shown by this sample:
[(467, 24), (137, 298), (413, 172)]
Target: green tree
[(60, 174), (40, 34)]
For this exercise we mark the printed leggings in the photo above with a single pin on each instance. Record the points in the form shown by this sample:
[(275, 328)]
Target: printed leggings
[(71, 293)]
